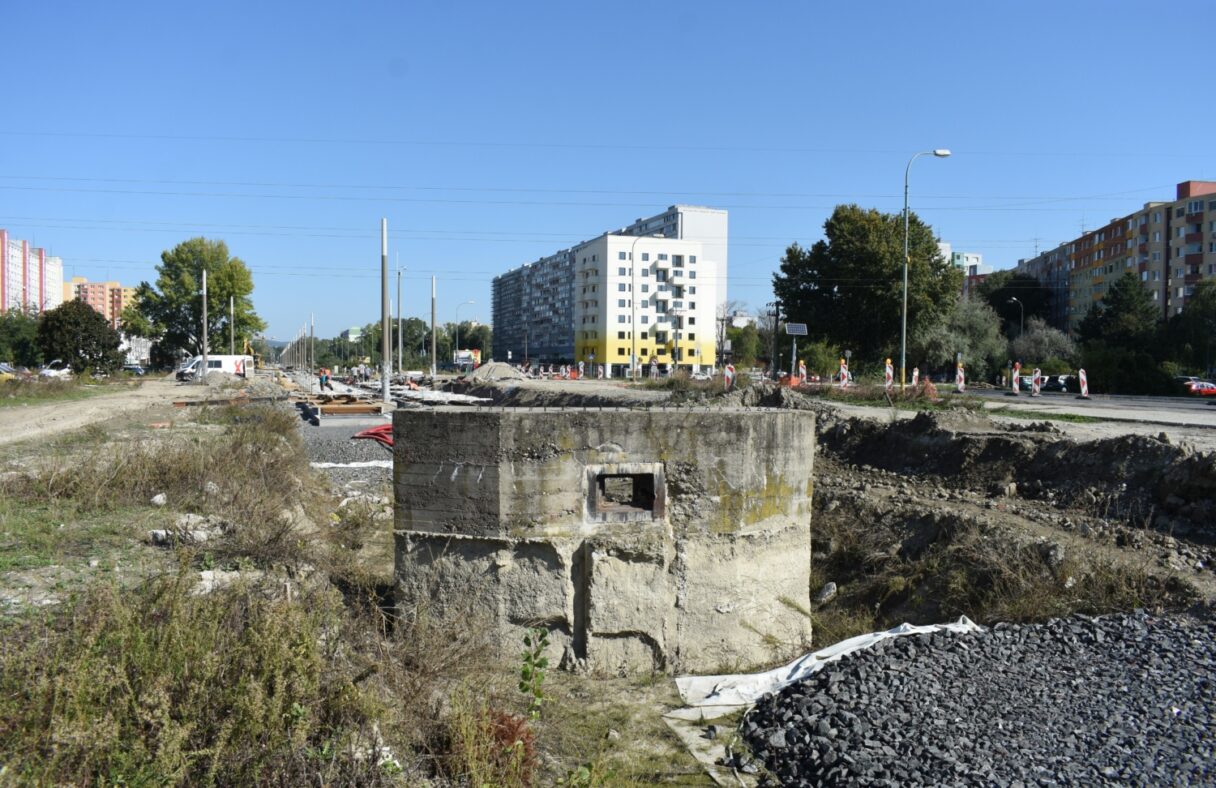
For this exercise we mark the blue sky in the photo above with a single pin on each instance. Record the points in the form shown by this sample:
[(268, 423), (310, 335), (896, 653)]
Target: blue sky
[(490, 134)]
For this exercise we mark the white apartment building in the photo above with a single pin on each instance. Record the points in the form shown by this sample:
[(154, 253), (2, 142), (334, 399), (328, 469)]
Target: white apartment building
[(649, 299), (595, 303), (30, 279)]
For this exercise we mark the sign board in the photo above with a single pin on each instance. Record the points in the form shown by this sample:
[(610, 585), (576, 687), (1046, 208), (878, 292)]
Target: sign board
[(795, 329)]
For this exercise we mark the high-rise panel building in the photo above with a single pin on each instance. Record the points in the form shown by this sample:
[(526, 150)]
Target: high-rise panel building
[(1170, 246), (30, 279), (646, 292)]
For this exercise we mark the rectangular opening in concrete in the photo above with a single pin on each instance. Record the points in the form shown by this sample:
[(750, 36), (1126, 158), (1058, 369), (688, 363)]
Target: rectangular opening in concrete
[(624, 492)]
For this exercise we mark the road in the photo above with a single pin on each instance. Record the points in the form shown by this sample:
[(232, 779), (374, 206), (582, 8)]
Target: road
[(1158, 410)]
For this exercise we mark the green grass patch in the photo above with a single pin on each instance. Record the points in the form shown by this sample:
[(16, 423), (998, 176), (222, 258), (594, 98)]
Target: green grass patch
[(922, 398), (36, 534), (1044, 415)]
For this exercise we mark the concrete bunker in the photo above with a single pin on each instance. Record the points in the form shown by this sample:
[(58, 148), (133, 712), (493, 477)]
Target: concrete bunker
[(656, 539)]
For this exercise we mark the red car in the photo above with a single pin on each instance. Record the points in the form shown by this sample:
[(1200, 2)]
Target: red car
[(1201, 388)]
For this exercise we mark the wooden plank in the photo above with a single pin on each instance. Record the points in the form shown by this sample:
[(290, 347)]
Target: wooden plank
[(351, 407)]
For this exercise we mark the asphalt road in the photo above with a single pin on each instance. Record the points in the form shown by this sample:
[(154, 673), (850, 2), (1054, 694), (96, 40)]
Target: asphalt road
[(1191, 405)]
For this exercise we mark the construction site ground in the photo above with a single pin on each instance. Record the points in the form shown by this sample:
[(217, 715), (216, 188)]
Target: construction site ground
[(1006, 509)]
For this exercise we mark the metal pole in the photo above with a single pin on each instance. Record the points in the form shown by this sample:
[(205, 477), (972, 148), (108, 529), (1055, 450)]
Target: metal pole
[(312, 350), (231, 326), (793, 356), (386, 355), (434, 343), (903, 330), (203, 372), (400, 328)]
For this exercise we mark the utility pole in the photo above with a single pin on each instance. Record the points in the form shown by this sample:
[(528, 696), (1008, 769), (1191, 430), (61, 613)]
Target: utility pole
[(434, 344), (312, 349), (386, 355), (231, 325), (400, 325), (203, 372)]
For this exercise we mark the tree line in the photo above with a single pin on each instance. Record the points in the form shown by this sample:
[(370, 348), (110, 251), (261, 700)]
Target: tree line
[(848, 289)]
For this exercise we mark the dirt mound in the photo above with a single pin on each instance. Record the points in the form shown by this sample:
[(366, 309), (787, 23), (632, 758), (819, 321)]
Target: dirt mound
[(495, 370), (1135, 478)]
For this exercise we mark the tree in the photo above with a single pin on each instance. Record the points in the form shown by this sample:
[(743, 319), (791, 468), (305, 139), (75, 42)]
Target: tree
[(1124, 319), (76, 333), (1044, 346), (848, 288), (172, 311), (971, 328), (1033, 295), (1191, 335), (744, 345), (19, 338)]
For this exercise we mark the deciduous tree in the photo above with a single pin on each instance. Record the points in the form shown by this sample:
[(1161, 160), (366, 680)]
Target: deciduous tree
[(171, 312), (76, 333), (19, 338), (848, 287)]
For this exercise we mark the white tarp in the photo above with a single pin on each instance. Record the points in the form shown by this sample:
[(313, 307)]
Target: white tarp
[(363, 464), (710, 697)]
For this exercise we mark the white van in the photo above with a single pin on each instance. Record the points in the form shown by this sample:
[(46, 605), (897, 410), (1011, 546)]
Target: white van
[(241, 366)]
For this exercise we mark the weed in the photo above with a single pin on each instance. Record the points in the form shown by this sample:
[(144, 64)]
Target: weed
[(160, 685), (532, 672), (489, 746)]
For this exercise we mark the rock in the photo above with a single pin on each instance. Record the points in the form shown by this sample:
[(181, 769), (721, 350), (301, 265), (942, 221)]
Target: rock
[(160, 499), (211, 488), (614, 735), (826, 594)]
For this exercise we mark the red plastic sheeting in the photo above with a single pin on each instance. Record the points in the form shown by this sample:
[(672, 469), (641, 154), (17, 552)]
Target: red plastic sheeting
[(381, 434)]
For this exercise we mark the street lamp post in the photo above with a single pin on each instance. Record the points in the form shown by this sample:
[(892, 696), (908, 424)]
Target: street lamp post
[(940, 153), (1021, 314), (633, 304), (456, 354)]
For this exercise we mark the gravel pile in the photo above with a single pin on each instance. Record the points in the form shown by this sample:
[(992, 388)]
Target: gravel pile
[(496, 370), (1124, 699)]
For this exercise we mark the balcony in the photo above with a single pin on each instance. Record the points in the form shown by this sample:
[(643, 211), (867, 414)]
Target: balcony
[(1193, 238)]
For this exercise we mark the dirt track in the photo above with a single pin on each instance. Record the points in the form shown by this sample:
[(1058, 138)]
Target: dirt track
[(29, 422)]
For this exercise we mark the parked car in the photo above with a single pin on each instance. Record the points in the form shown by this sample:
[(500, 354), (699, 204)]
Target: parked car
[(134, 369), (55, 369), (1055, 383), (8, 373)]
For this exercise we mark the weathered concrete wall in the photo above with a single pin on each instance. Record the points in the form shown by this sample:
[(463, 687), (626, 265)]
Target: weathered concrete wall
[(642, 539)]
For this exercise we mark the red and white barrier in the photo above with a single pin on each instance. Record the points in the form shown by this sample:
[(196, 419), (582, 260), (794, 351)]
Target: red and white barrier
[(844, 373), (1036, 382), (728, 376), (802, 372), (1084, 384), (889, 375), (1017, 368), (960, 380), (599, 372), (915, 376)]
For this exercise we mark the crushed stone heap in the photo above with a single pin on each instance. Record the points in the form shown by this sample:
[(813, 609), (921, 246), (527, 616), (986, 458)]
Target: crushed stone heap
[(1119, 700)]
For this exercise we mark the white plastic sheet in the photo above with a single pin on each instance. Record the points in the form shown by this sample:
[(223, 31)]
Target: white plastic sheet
[(710, 697)]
